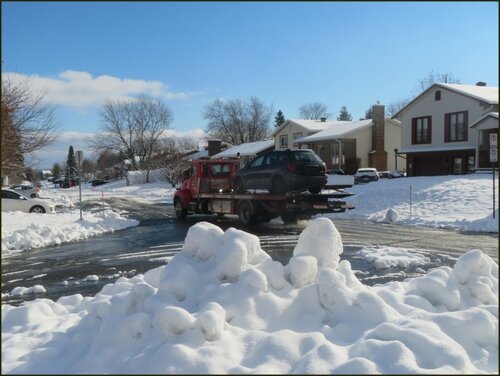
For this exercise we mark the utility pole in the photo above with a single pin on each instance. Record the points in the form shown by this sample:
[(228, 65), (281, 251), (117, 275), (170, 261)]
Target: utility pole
[(79, 157)]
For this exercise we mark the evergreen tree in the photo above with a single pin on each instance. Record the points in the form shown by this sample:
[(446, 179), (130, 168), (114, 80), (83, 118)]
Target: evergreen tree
[(344, 114), (56, 171), (71, 168), (368, 113), (279, 119)]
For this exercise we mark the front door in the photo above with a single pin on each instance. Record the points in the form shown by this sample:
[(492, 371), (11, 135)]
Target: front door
[(457, 165)]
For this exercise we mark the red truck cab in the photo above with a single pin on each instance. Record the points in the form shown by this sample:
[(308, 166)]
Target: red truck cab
[(205, 176)]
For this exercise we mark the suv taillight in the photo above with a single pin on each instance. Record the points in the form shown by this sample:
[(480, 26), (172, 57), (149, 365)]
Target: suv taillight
[(291, 167)]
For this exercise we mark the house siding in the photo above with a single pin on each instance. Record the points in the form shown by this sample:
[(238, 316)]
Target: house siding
[(289, 130), (426, 106), (443, 159)]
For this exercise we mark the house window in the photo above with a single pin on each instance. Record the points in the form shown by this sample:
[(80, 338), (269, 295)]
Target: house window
[(421, 130), (296, 136), (437, 95), (284, 141), (455, 126)]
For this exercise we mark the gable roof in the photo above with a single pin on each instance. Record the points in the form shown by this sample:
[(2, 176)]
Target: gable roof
[(493, 115), (339, 130), (488, 94), (310, 125), (245, 150)]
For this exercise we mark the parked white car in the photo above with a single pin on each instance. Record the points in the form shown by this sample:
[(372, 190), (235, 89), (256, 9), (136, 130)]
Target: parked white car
[(366, 175), (27, 189), (15, 201)]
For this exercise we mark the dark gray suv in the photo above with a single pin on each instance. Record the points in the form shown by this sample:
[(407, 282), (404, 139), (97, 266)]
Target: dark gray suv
[(282, 171)]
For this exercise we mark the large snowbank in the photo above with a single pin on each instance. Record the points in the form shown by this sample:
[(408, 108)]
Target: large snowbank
[(222, 305), (462, 202)]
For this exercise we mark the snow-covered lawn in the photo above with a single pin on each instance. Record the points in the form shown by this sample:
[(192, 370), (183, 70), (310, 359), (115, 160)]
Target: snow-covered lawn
[(222, 305), (462, 202)]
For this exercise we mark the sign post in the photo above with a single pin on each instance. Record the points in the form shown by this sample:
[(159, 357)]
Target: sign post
[(493, 160), (79, 157)]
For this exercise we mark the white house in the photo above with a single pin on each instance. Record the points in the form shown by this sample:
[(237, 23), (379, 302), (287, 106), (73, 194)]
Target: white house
[(445, 129)]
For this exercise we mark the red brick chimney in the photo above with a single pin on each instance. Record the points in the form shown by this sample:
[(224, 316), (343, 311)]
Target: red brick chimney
[(378, 156)]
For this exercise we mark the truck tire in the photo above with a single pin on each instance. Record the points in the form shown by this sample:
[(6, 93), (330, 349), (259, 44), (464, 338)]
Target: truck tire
[(180, 212), (245, 213), (278, 186), (289, 218)]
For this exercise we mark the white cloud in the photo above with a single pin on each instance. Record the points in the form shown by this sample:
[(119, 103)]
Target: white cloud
[(81, 89)]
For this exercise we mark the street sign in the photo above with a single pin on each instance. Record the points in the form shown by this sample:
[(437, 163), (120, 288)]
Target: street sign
[(79, 156), (493, 139), (493, 154)]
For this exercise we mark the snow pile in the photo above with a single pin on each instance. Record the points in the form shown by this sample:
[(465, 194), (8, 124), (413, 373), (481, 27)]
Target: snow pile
[(21, 231), (386, 257), (222, 305), (462, 202)]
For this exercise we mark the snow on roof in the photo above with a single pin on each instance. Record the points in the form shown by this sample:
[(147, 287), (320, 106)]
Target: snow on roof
[(197, 155), (310, 125), (489, 114), (488, 94), (245, 150), (340, 129)]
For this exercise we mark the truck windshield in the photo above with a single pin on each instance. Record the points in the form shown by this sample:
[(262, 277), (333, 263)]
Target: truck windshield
[(220, 170)]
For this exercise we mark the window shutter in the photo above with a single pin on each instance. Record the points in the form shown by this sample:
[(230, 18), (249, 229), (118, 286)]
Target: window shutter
[(413, 131), (429, 139), (446, 127), (466, 125)]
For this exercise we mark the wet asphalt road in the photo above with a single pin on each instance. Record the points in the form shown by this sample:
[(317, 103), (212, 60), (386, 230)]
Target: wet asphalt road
[(160, 236)]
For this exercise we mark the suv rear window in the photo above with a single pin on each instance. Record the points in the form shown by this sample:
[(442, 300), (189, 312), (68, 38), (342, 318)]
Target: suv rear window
[(305, 156)]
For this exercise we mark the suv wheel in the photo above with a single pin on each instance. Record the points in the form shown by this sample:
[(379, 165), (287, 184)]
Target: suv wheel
[(239, 185), (315, 190)]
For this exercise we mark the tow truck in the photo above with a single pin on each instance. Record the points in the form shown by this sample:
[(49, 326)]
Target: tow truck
[(207, 189)]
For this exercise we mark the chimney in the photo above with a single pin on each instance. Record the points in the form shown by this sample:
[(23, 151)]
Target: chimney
[(214, 147), (480, 83), (323, 119), (379, 155)]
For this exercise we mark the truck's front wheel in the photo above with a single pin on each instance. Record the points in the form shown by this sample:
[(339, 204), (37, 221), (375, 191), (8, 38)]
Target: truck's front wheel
[(245, 213), (180, 212)]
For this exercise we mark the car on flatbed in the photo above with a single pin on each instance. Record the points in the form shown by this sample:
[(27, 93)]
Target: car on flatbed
[(282, 171)]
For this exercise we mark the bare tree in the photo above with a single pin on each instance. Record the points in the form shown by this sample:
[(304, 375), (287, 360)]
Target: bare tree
[(28, 124), (238, 121), (173, 160), (313, 111), (134, 128)]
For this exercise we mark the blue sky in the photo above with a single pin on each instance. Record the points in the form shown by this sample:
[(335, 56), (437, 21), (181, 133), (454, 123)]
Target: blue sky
[(287, 54)]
